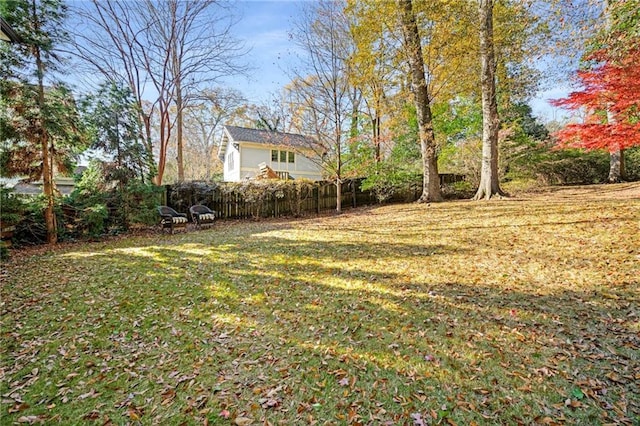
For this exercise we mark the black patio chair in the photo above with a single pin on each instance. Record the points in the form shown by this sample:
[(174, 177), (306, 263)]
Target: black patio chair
[(202, 215), (171, 219)]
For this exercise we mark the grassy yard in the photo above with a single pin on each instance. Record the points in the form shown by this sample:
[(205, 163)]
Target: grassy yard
[(520, 311)]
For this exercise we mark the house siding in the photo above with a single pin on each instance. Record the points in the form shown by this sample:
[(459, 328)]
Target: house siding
[(250, 154), (232, 175)]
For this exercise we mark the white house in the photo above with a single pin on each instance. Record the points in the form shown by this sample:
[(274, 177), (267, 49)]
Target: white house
[(244, 150)]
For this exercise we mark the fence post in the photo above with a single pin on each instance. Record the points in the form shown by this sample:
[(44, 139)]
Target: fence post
[(353, 193), (166, 195)]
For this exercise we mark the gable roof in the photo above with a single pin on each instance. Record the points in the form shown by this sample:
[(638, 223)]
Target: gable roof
[(7, 33), (243, 134), (266, 137)]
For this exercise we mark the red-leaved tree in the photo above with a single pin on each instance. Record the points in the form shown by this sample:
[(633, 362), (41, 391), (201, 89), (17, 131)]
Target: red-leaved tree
[(611, 99)]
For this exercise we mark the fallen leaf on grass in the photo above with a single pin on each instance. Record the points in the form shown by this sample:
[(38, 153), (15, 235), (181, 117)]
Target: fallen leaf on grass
[(21, 406), (168, 396), (417, 419), (91, 416), (31, 419), (243, 421), (268, 402), (91, 394)]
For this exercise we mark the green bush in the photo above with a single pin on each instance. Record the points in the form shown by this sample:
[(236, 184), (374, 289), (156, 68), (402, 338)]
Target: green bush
[(32, 228), (140, 204), (571, 166), (458, 190), (632, 164), (93, 219), (100, 206), (12, 206), (390, 181), (4, 251)]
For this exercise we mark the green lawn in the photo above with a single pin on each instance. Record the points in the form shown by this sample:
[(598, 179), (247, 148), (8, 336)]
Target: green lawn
[(520, 311)]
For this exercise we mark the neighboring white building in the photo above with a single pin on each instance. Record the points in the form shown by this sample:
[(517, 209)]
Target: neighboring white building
[(243, 150)]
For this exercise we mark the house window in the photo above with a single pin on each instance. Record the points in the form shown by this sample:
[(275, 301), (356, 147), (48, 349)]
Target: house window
[(282, 156), (230, 161)]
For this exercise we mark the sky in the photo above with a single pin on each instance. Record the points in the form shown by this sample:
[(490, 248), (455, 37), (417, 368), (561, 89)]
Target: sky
[(264, 27)]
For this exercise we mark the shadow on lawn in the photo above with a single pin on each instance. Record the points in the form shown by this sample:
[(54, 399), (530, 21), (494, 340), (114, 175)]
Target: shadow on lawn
[(291, 277), (274, 312)]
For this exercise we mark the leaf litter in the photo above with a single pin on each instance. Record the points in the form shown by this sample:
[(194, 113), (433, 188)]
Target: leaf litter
[(525, 311)]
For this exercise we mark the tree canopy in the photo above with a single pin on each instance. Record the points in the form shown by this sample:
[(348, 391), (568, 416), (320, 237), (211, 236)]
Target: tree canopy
[(611, 99), (609, 96)]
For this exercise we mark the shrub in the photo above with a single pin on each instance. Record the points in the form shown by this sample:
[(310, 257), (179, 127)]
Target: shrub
[(32, 228), (98, 206), (632, 164), (186, 194), (458, 190), (389, 182), (140, 201), (12, 206), (93, 219), (571, 166), (4, 251)]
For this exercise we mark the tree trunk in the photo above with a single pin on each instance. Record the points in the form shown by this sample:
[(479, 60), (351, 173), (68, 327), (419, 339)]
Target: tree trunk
[(616, 158), (179, 122), (616, 166), (165, 134), (338, 145), (338, 195), (47, 175), (431, 180), (376, 138), (489, 179), (179, 156)]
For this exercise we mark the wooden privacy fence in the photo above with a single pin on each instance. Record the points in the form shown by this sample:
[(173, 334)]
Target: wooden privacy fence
[(282, 198), (287, 200)]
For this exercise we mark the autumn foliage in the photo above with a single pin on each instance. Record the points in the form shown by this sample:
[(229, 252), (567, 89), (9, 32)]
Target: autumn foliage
[(611, 98)]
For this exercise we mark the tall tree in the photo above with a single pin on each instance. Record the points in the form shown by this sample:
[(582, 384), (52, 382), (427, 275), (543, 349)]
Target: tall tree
[(203, 121), (28, 93), (202, 50), (320, 89), (104, 38), (115, 131), (620, 38), (431, 180), (176, 47), (610, 89), (489, 178), (373, 68)]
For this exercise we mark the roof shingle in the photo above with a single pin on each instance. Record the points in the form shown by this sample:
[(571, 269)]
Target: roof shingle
[(243, 134)]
